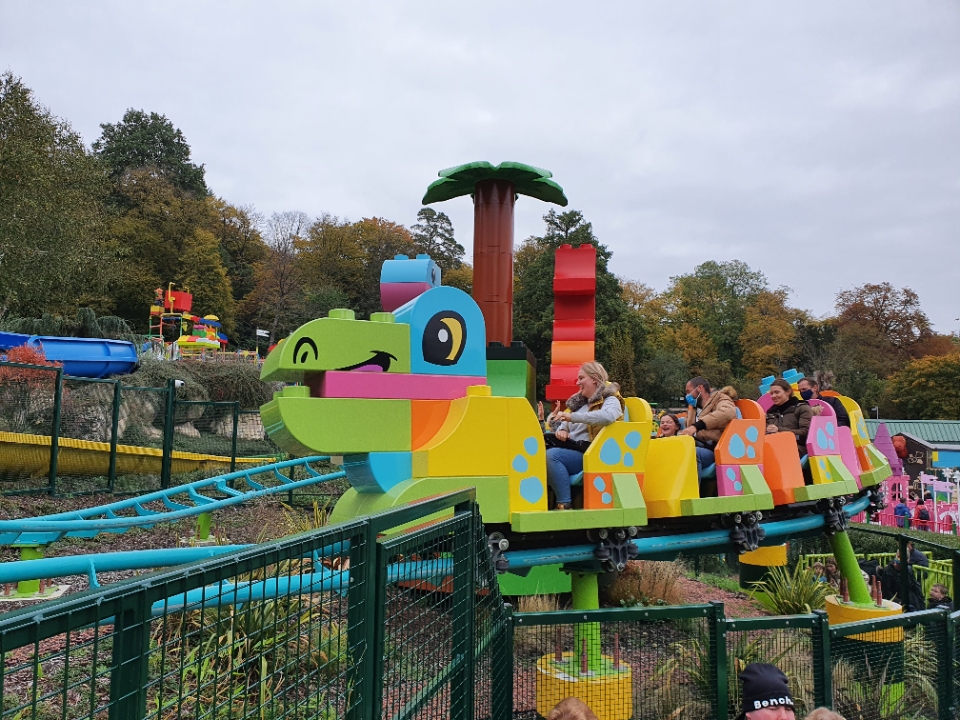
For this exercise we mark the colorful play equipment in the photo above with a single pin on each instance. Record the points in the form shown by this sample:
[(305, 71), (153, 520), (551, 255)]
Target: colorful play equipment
[(404, 398), (196, 335), (80, 357), (574, 318)]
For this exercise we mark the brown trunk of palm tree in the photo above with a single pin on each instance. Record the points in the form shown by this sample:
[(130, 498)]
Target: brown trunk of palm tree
[(493, 202)]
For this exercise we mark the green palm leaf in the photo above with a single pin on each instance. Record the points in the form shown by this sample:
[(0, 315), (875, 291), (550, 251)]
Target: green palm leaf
[(527, 180)]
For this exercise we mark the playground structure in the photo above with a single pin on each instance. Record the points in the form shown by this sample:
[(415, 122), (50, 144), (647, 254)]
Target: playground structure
[(196, 336)]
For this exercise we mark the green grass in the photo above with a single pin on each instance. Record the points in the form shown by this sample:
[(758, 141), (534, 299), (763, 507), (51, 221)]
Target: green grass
[(723, 582)]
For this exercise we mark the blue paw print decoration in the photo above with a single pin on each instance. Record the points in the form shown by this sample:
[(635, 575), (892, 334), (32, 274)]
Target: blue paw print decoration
[(825, 437), (825, 471), (531, 487), (734, 479), (739, 448), (612, 453), (600, 485)]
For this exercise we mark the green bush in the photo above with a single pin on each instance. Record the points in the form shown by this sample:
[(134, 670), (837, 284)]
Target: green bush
[(794, 592)]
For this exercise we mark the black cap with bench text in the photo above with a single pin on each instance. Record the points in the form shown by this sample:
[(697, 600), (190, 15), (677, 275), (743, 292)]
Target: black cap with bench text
[(764, 686)]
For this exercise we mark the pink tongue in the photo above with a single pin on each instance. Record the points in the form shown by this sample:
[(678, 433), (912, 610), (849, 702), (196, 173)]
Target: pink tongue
[(369, 368)]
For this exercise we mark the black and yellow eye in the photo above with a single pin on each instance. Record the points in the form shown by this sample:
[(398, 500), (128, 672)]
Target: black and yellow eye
[(444, 338), (303, 344)]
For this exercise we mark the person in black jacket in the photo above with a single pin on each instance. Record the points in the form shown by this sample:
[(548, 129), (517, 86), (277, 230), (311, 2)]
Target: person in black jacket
[(912, 600), (788, 414), (939, 598), (809, 389)]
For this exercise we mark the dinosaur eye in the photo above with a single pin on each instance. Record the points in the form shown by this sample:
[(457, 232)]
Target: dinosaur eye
[(444, 338), (302, 344)]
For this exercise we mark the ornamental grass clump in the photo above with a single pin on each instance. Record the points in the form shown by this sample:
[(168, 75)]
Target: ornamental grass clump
[(647, 582), (794, 592)]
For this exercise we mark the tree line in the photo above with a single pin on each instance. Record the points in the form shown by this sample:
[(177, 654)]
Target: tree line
[(100, 228)]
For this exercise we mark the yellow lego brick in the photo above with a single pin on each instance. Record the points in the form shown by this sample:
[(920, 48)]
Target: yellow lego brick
[(670, 476)]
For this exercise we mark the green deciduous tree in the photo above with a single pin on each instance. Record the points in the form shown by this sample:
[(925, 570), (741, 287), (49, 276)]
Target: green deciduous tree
[(149, 140), (928, 388), (714, 298), (162, 236), (54, 252), (237, 230)]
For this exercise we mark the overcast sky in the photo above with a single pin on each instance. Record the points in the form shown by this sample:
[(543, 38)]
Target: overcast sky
[(819, 142)]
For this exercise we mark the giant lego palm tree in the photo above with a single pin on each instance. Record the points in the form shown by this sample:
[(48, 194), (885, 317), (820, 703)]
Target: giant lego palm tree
[(494, 190)]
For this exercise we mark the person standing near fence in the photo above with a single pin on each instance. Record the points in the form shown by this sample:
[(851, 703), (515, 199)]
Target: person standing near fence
[(901, 512), (921, 516)]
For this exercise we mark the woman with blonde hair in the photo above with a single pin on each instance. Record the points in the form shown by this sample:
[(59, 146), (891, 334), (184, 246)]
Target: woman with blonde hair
[(596, 405)]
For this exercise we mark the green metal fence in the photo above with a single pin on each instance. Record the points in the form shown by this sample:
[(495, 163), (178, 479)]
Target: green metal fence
[(67, 435), (683, 662), (347, 622)]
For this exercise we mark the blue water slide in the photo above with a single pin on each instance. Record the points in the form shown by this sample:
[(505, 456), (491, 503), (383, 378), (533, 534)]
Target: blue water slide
[(80, 357)]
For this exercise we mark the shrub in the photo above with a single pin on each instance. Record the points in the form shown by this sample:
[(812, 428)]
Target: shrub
[(231, 382), (794, 592), (647, 582), (155, 373)]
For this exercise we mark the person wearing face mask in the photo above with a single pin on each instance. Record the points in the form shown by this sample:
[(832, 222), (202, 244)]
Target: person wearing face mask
[(716, 410), (810, 390), (788, 414), (596, 405)]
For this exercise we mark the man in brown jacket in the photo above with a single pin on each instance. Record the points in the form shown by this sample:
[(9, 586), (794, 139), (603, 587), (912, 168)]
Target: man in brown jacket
[(717, 409)]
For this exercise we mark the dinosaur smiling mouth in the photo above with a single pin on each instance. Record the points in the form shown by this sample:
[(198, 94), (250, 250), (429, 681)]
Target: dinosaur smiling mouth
[(378, 362)]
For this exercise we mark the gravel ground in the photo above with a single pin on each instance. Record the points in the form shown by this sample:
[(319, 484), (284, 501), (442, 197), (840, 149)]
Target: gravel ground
[(259, 520)]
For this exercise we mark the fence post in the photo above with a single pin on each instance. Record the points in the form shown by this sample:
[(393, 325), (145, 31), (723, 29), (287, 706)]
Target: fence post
[(822, 665), (945, 661), (955, 565), (363, 626), (166, 461), (233, 442), (905, 578), (718, 655), (464, 602), (114, 436), (55, 431), (502, 667), (130, 660)]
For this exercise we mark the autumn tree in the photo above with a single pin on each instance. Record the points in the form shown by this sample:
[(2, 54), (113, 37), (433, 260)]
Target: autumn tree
[(237, 231), (714, 298), (275, 300), (433, 235), (161, 236), (892, 319), (149, 140), (54, 250), (379, 240), (928, 389), (768, 334), (460, 277)]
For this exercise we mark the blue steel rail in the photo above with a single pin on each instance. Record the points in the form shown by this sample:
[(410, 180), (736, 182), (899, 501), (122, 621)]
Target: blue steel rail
[(227, 593), (180, 502)]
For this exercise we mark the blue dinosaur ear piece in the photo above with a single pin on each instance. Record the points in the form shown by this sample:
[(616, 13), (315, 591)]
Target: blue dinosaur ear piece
[(447, 333)]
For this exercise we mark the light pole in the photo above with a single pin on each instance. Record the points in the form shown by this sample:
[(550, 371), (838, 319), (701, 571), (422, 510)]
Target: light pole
[(876, 412)]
